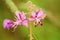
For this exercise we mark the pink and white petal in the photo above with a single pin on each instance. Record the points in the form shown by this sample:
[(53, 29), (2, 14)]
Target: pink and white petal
[(25, 23), (31, 18), (43, 16), (33, 14), (18, 14), (23, 16), (37, 20), (18, 22), (40, 13)]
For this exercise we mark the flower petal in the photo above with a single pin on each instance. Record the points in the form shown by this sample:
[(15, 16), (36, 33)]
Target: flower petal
[(7, 23), (31, 18), (33, 14), (25, 23), (23, 16), (43, 16), (18, 22), (40, 13), (18, 14), (37, 20)]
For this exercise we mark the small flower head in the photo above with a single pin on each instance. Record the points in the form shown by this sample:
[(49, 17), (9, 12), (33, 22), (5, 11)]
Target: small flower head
[(37, 17), (20, 19), (24, 19), (7, 23)]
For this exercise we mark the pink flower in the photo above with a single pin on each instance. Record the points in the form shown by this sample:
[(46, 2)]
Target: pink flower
[(7, 23), (37, 17), (20, 19)]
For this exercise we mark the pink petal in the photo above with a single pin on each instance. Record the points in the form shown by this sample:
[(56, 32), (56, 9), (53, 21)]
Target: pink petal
[(18, 22), (7, 23), (33, 14), (37, 20), (43, 16), (31, 18), (40, 13), (23, 16), (25, 23), (18, 14)]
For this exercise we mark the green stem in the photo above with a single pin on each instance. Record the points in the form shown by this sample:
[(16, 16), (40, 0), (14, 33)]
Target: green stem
[(11, 5)]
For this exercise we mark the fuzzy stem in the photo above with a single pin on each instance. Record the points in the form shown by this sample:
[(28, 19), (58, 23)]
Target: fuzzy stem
[(30, 8), (30, 28), (30, 31)]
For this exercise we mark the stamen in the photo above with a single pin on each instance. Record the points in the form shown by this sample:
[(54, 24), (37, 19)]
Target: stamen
[(41, 23)]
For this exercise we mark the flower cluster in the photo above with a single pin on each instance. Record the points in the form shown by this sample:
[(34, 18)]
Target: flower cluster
[(20, 19), (37, 17)]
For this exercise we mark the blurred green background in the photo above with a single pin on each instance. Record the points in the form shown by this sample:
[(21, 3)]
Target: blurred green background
[(51, 25)]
